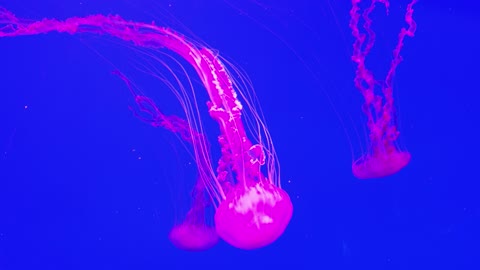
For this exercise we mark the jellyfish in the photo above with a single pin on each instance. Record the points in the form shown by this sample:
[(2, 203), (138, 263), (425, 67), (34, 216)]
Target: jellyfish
[(192, 234), (384, 157), (251, 208)]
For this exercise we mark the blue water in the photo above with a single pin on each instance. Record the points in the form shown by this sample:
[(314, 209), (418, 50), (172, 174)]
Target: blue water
[(86, 185)]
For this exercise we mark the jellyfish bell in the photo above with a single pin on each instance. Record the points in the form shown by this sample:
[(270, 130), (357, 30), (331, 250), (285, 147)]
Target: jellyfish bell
[(194, 233), (254, 216), (193, 237), (380, 165)]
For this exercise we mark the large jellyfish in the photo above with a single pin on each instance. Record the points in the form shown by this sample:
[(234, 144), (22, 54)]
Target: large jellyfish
[(252, 210), (384, 157)]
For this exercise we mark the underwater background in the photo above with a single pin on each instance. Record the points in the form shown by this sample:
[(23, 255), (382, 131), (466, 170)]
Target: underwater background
[(84, 184)]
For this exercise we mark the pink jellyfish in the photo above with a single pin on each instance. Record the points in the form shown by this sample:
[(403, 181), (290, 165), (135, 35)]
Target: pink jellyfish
[(192, 234), (384, 157), (252, 210)]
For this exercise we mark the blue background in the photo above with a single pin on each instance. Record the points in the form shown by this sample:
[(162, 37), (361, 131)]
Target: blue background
[(75, 195)]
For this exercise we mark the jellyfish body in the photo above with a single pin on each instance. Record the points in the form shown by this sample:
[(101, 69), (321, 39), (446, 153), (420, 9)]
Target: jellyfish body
[(254, 216), (378, 165), (384, 156), (251, 208), (193, 233)]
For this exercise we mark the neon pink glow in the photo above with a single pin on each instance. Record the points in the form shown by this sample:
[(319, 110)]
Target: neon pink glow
[(192, 234), (252, 211), (384, 158)]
